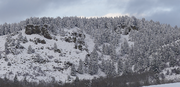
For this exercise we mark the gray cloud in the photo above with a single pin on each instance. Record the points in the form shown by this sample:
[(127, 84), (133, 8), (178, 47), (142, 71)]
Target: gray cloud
[(165, 11), (171, 18), (14, 10)]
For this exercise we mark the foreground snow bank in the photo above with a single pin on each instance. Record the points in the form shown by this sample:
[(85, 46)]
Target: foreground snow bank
[(166, 85)]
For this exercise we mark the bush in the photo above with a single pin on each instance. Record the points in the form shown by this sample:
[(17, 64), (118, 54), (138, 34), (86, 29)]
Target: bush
[(9, 64), (40, 41)]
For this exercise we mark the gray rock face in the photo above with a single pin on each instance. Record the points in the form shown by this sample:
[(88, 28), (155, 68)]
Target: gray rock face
[(42, 30)]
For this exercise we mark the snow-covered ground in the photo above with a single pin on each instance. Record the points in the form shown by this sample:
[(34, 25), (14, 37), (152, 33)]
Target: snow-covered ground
[(166, 85), (23, 65)]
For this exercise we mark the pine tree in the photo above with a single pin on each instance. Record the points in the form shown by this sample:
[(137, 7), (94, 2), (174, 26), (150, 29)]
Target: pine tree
[(25, 40), (80, 68), (20, 37), (127, 68), (62, 32), (112, 69), (16, 81), (109, 68), (105, 49), (102, 67), (30, 50), (73, 70), (86, 61), (93, 64), (6, 59), (9, 38), (125, 48), (12, 42), (86, 64), (18, 44), (55, 47), (0, 56), (112, 52), (6, 48), (120, 66), (93, 68), (25, 82)]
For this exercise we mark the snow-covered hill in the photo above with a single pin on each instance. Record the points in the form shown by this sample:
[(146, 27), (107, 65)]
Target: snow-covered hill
[(64, 49), (45, 63), (34, 57), (166, 85)]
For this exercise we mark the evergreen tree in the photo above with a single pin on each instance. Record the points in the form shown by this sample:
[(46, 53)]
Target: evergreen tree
[(120, 66), (25, 40), (25, 82), (9, 38), (93, 64), (55, 47), (127, 68), (112, 52), (86, 64), (102, 67), (80, 68), (12, 43), (125, 48), (113, 71), (16, 81), (6, 48), (86, 61), (20, 37), (6, 59), (73, 70), (62, 32), (30, 50), (109, 68), (0, 56), (18, 44), (105, 49)]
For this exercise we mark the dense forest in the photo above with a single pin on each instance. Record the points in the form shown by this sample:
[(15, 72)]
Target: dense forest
[(147, 50)]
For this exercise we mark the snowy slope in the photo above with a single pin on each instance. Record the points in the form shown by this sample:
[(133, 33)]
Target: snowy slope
[(23, 65), (45, 63), (166, 85)]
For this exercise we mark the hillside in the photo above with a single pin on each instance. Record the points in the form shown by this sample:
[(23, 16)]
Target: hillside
[(50, 59), (37, 57), (65, 49), (165, 85)]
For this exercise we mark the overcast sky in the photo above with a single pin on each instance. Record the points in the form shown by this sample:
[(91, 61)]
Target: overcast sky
[(165, 11)]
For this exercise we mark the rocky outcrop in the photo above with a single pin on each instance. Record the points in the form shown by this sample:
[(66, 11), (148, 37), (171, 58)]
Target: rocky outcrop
[(42, 30), (124, 29)]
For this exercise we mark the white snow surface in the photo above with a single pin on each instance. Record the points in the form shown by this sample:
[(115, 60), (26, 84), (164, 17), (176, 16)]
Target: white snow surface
[(55, 68), (23, 65), (166, 85)]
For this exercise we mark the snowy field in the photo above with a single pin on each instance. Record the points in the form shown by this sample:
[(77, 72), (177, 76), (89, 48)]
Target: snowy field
[(166, 85)]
